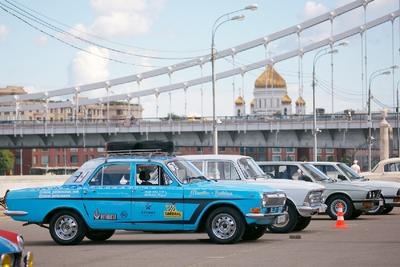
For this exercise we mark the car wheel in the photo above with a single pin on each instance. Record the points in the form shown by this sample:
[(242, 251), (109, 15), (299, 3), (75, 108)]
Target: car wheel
[(347, 205), (356, 214), (378, 210), (225, 226), (289, 224), (387, 210), (254, 232), (99, 235), (302, 223), (67, 228)]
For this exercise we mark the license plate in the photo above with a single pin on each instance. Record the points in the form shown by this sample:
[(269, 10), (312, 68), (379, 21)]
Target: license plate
[(280, 219), (275, 210), (381, 202), (367, 205), (321, 209)]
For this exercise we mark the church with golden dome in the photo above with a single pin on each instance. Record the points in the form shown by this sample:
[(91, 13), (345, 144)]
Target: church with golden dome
[(270, 97)]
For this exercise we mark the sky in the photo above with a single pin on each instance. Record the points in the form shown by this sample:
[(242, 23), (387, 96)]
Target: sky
[(182, 29)]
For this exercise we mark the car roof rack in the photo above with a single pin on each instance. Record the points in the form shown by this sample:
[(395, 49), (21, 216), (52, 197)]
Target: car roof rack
[(142, 148)]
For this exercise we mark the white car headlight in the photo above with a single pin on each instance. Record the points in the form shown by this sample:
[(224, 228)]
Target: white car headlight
[(273, 199)]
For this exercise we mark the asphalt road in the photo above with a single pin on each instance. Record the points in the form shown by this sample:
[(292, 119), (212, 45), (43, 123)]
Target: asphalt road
[(369, 241)]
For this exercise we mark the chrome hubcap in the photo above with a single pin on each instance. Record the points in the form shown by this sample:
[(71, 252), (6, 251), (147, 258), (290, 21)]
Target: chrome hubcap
[(66, 227), (376, 208), (224, 226), (335, 206)]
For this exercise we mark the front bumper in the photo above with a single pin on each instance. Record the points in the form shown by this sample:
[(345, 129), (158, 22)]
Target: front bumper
[(268, 218), (367, 204), (393, 201), (15, 213), (307, 211)]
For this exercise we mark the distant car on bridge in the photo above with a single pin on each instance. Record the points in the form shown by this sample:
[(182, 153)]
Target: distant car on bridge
[(146, 193)]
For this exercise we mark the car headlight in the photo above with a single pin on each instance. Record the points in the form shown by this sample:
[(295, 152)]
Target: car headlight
[(273, 199), (6, 260), (21, 242), (313, 198)]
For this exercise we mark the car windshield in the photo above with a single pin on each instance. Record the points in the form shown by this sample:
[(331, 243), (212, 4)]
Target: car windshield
[(83, 172), (185, 171), (250, 169), (349, 172), (316, 174)]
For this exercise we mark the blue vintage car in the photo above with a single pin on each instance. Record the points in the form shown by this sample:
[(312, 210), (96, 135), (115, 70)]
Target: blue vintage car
[(147, 193)]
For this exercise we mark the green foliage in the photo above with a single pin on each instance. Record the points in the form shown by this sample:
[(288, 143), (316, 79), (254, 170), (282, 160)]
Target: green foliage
[(7, 161)]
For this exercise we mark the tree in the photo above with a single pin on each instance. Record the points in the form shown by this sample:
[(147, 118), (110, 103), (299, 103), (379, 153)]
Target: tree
[(7, 161)]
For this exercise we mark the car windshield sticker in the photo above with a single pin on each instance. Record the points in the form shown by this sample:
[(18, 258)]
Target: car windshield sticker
[(172, 212), (104, 216)]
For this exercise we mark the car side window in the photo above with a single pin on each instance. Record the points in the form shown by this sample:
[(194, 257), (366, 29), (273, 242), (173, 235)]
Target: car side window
[(224, 170), (151, 175), (198, 165), (114, 174), (333, 173), (392, 167)]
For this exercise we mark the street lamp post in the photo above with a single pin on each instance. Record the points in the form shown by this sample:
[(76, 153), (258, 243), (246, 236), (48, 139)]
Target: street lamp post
[(317, 56), (215, 27), (397, 119), (373, 75)]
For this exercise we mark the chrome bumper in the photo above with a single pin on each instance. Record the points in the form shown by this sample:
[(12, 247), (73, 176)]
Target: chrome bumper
[(393, 201), (15, 213), (266, 215), (367, 204), (306, 211)]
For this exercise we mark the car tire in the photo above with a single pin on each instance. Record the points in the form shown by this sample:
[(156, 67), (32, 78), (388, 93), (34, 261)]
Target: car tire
[(289, 225), (302, 223), (378, 210), (254, 232), (67, 228), (225, 225), (348, 208), (387, 210), (99, 235), (356, 214)]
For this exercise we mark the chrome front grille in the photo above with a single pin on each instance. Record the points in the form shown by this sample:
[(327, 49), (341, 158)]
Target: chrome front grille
[(274, 199), (374, 194)]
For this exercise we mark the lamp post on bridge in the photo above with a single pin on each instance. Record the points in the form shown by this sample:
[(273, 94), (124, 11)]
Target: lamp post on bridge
[(375, 74), (215, 27)]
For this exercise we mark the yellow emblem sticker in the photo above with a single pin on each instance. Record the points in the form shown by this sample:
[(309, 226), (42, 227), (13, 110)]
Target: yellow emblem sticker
[(172, 212)]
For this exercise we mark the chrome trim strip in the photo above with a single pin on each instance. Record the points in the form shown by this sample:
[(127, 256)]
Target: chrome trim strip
[(15, 213)]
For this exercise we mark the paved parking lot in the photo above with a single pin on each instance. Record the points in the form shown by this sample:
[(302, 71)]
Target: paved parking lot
[(369, 241)]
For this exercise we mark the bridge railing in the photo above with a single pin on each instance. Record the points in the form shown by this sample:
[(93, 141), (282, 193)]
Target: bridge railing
[(197, 123)]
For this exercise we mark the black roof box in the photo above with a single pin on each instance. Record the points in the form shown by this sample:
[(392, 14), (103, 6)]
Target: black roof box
[(151, 146)]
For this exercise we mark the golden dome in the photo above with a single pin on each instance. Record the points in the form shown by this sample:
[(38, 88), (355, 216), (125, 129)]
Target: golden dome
[(239, 101), (253, 102), (270, 79), (286, 99), (300, 101)]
